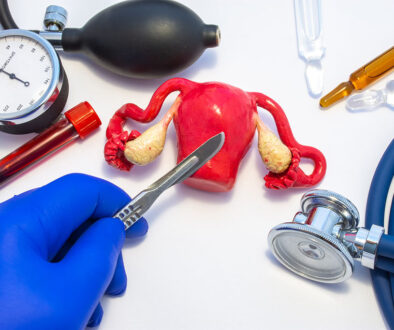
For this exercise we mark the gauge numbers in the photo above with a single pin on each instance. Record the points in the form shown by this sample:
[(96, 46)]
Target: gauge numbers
[(26, 73)]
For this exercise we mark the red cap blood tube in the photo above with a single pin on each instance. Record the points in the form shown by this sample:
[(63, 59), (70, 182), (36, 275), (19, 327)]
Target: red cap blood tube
[(77, 122)]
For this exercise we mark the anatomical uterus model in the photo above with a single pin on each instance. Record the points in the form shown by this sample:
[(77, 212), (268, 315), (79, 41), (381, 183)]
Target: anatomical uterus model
[(200, 111)]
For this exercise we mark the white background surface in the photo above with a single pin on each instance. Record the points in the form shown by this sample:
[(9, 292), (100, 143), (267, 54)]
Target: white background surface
[(205, 262)]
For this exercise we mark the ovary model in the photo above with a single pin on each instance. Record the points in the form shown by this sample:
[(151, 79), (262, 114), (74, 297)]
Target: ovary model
[(200, 111)]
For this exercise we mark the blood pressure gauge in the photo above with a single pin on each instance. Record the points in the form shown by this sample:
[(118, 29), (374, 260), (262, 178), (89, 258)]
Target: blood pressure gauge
[(33, 84)]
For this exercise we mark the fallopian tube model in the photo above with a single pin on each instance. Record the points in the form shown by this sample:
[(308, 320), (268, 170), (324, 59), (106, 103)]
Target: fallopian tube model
[(201, 111)]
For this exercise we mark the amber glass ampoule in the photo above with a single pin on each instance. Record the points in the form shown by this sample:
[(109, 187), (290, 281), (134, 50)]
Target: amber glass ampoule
[(361, 78)]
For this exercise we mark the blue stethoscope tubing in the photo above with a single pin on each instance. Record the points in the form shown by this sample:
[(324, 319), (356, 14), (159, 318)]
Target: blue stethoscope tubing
[(383, 280)]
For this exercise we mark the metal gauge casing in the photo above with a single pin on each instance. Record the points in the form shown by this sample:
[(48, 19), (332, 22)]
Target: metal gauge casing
[(33, 84)]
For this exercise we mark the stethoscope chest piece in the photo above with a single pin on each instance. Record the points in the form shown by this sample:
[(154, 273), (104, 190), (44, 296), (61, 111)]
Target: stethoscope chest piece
[(323, 239)]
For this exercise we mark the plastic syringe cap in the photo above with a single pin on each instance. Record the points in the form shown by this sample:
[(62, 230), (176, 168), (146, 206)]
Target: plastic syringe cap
[(84, 119)]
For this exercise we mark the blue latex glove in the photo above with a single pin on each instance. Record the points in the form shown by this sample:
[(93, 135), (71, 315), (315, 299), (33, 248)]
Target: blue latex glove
[(35, 230)]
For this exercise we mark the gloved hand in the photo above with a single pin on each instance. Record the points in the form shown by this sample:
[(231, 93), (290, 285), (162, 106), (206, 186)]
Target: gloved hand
[(49, 280)]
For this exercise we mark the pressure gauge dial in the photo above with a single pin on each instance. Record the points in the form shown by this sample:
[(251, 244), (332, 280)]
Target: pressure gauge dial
[(33, 84)]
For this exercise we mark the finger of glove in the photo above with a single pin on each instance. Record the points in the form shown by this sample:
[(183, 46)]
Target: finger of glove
[(60, 207), (139, 229), (119, 280), (96, 317), (89, 265), (118, 283)]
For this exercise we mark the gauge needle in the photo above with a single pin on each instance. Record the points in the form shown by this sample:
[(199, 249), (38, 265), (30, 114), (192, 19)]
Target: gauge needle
[(12, 76)]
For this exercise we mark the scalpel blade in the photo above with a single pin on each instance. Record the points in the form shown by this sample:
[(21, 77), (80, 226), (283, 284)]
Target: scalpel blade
[(191, 163), (133, 211)]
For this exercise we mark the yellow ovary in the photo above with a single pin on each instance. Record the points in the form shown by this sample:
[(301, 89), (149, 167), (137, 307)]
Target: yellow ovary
[(145, 148), (275, 155)]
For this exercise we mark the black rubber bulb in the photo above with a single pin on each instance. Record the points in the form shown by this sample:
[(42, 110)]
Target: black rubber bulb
[(143, 38)]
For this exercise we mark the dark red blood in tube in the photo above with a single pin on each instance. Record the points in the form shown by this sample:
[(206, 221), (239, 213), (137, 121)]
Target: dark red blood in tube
[(78, 122)]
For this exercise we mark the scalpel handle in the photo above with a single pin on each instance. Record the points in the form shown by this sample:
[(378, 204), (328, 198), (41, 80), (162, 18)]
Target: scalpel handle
[(128, 217), (133, 211)]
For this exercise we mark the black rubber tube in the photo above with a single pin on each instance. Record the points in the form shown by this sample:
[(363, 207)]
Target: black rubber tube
[(375, 215), (6, 19)]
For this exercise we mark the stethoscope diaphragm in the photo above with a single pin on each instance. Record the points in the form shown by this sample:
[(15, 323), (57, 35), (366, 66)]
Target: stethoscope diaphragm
[(323, 240)]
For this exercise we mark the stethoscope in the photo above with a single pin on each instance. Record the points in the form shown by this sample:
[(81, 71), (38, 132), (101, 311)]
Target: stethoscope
[(323, 240)]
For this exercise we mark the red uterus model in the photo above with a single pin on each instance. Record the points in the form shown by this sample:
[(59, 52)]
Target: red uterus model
[(201, 111)]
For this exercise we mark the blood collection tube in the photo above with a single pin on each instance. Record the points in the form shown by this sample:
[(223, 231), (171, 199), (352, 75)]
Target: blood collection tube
[(77, 122), (361, 78)]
